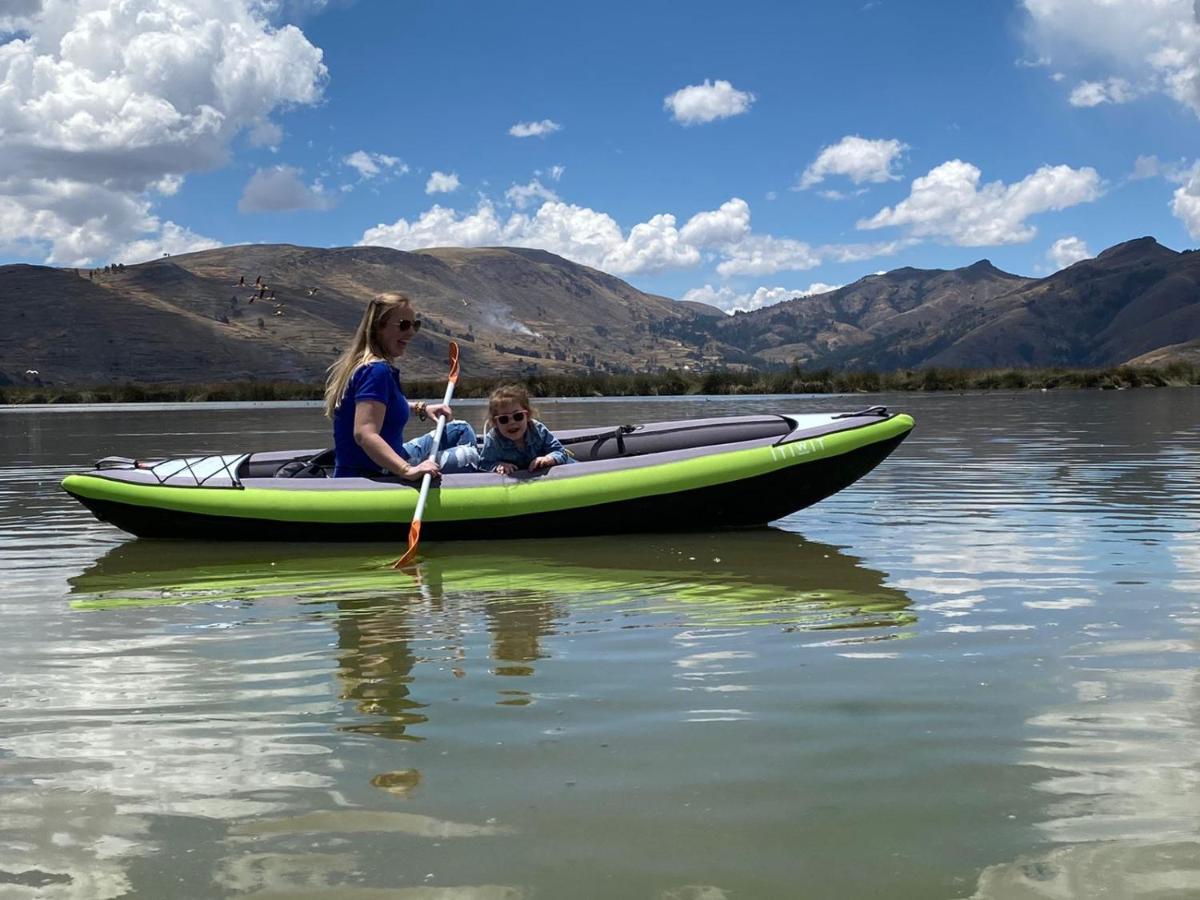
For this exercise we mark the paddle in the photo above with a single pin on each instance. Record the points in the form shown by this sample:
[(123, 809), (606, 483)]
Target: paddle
[(414, 531)]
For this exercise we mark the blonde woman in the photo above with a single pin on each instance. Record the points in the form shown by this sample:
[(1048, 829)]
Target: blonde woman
[(365, 400)]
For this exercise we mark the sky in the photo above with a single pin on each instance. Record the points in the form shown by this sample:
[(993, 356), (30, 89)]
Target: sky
[(734, 153)]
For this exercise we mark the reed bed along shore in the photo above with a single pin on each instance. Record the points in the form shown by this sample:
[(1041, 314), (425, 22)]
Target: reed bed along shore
[(663, 384)]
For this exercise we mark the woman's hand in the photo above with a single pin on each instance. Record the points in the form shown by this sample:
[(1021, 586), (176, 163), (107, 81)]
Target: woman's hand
[(504, 468), (543, 462), (433, 410), (420, 470)]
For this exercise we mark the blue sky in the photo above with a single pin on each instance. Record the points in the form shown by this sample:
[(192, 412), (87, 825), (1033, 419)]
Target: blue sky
[(733, 153)]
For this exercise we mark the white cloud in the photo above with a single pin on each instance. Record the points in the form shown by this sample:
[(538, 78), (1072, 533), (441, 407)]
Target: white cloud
[(104, 101), (1177, 171), (15, 14), (595, 239), (844, 253), (371, 165), (727, 230), (1145, 166), (730, 300), (555, 172), (521, 195), (765, 255), (859, 159), (718, 227), (265, 133), (281, 189), (1185, 203), (577, 233), (949, 204), (170, 240), (439, 227), (534, 129), (1094, 93), (721, 297), (699, 103), (1154, 44), (1068, 251), (79, 222), (830, 194), (442, 183)]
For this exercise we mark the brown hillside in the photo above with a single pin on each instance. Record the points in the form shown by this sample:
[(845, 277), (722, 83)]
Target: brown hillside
[(519, 311), (187, 319), (1132, 299), (879, 322)]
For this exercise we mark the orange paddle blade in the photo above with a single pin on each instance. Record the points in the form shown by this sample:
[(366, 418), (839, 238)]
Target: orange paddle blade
[(453, 362), (414, 536)]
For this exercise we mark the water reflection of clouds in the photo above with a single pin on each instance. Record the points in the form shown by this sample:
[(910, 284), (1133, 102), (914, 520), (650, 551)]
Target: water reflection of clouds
[(1031, 509), (1185, 551), (713, 671), (1121, 764), (114, 731)]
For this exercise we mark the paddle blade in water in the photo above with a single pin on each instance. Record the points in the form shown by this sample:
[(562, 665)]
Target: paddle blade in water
[(414, 536)]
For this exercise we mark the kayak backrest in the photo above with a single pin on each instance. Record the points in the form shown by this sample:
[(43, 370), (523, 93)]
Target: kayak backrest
[(288, 464)]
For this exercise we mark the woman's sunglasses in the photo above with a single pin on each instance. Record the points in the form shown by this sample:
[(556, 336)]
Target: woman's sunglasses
[(406, 324), (516, 417)]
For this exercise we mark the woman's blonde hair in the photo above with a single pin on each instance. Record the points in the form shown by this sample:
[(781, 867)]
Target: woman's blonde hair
[(364, 347), (508, 393)]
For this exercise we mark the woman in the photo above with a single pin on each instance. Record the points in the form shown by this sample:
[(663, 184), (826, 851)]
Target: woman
[(366, 401)]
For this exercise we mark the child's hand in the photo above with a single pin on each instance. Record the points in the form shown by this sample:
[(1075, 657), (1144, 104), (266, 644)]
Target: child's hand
[(542, 462), (504, 468)]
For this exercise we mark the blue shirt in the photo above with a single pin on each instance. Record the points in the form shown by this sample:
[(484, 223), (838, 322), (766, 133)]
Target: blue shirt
[(374, 381), (538, 442)]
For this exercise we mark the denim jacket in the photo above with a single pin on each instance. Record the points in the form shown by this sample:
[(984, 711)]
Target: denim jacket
[(538, 442)]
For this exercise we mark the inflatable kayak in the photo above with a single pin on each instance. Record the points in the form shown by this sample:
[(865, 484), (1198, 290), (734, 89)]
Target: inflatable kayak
[(730, 472)]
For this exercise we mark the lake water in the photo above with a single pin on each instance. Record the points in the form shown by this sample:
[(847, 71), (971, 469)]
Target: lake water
[(973, 674)]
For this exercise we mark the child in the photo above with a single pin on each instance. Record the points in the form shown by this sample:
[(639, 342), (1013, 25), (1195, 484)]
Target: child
[(515, 440)]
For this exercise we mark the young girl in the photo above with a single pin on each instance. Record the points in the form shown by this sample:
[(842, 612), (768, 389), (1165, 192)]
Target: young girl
[(515, 440), (369, 410)]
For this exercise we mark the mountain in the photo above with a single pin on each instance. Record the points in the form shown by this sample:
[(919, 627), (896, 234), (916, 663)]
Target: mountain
[(887, 321), (283, 312), (187, 319), (1135, 301)]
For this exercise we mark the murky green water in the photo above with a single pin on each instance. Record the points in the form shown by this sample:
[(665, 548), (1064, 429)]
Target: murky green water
[(975, 673)]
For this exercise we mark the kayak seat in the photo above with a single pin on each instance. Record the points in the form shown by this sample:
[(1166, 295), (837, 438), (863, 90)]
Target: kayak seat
[(318, 466), (288, 464)]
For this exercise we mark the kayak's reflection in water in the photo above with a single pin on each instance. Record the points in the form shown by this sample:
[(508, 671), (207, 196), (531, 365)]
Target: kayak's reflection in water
[(762, 574), (513, 593)]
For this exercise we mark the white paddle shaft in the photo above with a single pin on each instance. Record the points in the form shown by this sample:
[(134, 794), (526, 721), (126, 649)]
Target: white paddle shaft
[(426, 479)]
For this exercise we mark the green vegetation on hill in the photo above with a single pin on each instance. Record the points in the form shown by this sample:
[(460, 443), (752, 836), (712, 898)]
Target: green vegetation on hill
[(790, 381)]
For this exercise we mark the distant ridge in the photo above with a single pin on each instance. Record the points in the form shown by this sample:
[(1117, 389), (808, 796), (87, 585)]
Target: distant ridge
[(518, 311)]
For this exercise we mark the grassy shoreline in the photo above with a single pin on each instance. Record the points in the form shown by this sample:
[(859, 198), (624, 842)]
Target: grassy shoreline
[(667, 384)]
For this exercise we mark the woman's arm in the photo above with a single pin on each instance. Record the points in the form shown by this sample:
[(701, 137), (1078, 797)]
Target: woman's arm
[(368, 419), (425, 411)]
